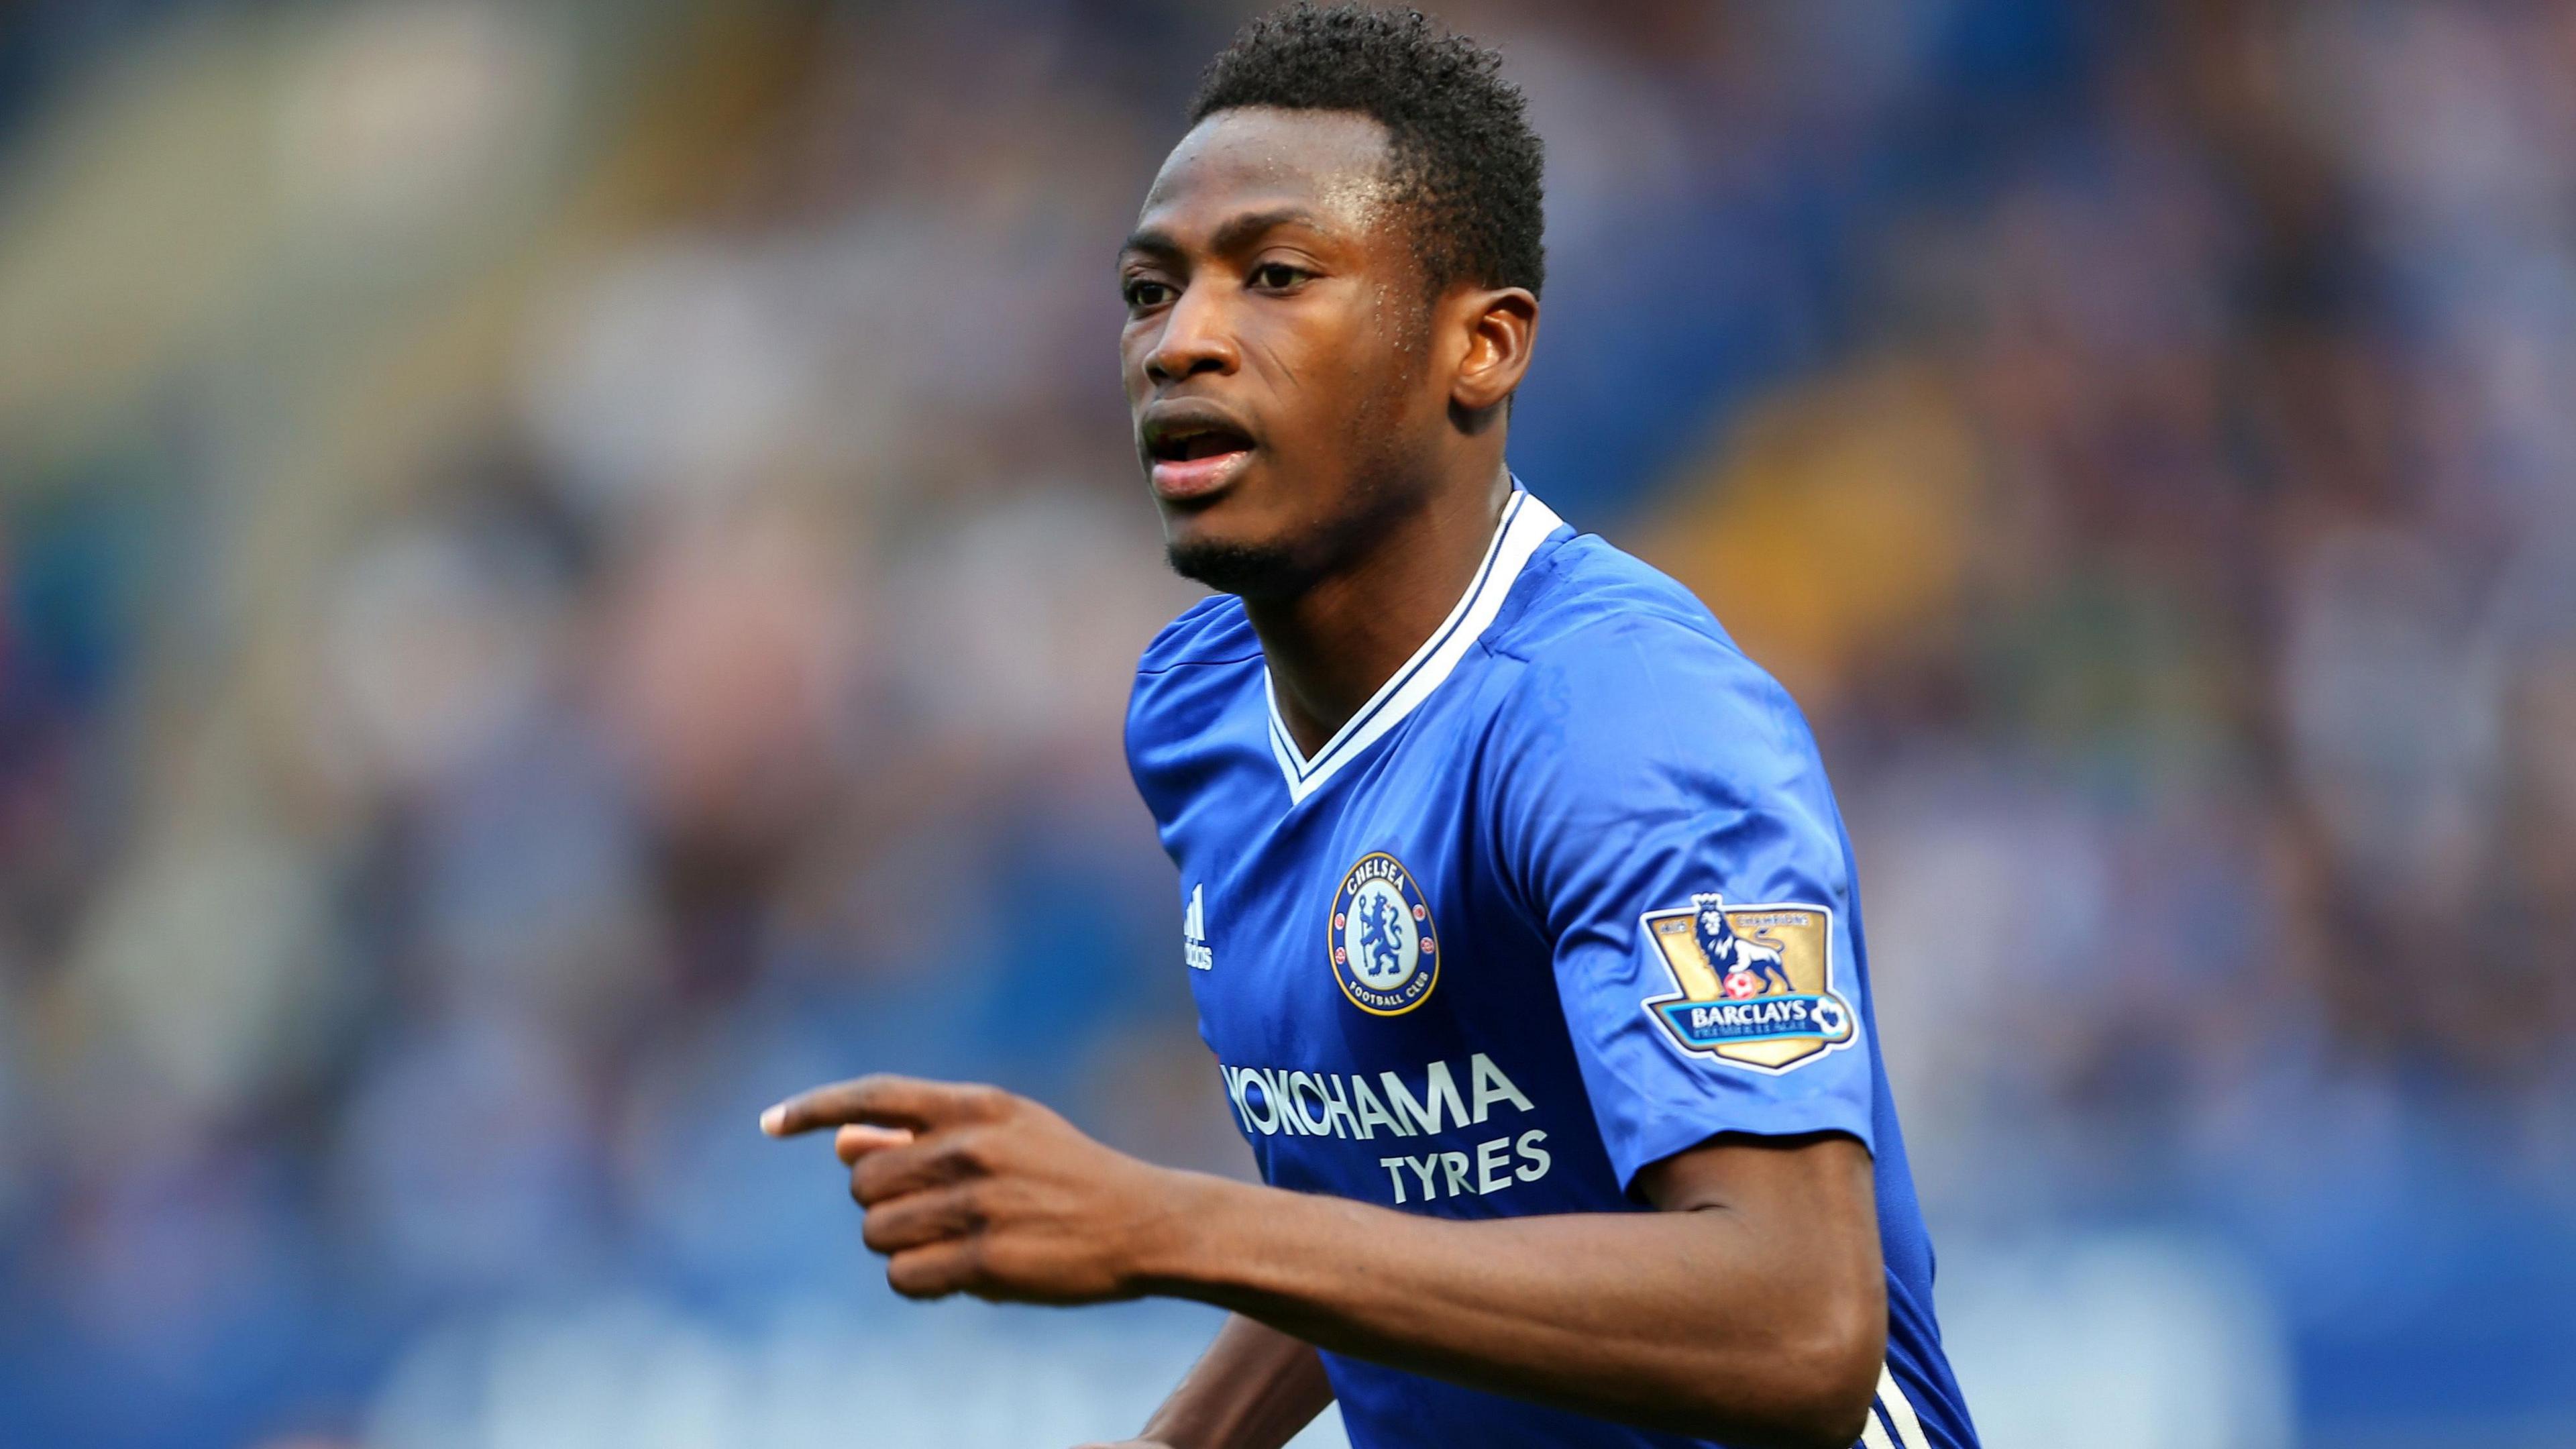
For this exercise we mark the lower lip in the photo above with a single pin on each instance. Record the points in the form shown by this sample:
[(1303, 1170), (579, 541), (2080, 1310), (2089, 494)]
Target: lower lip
[(1178, 479)]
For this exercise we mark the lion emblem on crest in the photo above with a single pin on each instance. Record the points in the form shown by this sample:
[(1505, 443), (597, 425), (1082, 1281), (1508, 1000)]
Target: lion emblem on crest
[(1730, 953), (1382, 940)]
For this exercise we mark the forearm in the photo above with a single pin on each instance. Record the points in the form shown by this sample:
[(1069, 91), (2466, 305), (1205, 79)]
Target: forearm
[(1751, 1308), (1254, 1388), (1695, 1322)]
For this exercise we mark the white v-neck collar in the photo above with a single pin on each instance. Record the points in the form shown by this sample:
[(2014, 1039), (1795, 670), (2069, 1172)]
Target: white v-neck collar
[(1526, 524)]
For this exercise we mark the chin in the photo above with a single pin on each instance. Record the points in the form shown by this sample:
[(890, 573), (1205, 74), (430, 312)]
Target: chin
[(1252, 568)]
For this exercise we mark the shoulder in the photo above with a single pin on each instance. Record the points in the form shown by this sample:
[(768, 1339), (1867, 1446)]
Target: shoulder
[(1189, 676), (1211, 631), (1586, 585), (1629, 730), (1617, 652), (1208, 645)]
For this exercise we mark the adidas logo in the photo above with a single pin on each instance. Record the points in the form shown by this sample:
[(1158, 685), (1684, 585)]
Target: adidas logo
[(1194, 943)]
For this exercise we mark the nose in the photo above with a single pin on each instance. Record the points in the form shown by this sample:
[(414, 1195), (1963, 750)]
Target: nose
[(1195, 339)]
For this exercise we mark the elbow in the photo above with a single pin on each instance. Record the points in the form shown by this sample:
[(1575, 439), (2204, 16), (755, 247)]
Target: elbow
[(1835, 1370), (1835, 1412), (1843, 1367), (1825, 1377)]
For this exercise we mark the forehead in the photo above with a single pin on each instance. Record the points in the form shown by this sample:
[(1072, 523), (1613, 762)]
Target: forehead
[(1330, 163)]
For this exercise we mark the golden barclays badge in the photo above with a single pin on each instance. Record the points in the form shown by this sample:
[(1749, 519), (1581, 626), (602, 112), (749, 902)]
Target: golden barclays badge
[(1757, 982)]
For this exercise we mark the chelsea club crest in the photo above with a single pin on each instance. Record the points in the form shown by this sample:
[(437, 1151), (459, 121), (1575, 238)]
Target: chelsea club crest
[(1757, 982), (1385, 953)]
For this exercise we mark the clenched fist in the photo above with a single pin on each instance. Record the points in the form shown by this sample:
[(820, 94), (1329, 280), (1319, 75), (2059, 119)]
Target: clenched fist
[(971, 1189)]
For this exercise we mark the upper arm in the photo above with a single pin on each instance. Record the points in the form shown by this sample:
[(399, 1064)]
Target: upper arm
[(1650, 775), (1812, 1197), (1808, 1244), (1825, 1173)]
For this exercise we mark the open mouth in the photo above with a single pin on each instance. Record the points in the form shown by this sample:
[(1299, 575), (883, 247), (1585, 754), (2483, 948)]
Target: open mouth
[(1195, 442), (1193, 456)]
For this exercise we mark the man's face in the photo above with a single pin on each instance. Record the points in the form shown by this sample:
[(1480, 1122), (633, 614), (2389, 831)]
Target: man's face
[(1275, 349)]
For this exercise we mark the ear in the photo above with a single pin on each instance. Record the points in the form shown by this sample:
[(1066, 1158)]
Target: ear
[(1498, 325)]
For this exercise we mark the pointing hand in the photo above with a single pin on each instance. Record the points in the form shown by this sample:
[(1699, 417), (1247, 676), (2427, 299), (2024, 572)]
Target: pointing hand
[(971, 1189)]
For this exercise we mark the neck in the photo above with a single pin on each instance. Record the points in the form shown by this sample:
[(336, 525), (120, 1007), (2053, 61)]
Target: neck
[(1333, 644)]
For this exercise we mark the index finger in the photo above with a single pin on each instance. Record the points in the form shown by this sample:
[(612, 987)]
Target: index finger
[(877, 1100)]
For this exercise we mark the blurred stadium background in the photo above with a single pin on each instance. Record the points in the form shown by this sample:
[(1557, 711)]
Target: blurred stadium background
[(566, 568)]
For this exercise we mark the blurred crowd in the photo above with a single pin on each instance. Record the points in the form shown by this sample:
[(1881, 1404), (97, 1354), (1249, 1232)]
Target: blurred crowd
[(566, 568)]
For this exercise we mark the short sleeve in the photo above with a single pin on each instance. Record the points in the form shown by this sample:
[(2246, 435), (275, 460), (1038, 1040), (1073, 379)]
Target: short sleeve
[(1661, 813)]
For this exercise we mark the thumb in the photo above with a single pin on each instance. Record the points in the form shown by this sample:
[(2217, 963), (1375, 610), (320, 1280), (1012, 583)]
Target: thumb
[(858, 1140)]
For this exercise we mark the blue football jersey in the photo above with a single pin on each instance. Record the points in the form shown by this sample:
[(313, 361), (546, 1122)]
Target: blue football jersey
[(1568, 896)]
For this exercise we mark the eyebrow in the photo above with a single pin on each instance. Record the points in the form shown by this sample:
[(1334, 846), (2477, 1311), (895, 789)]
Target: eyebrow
[(1230, 236)]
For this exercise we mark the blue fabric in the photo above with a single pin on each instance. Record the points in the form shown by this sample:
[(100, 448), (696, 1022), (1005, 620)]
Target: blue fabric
[(1600, 759)]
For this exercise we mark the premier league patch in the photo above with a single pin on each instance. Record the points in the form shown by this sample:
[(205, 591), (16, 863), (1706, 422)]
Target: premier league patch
[(1385, 953), (1757, 982)]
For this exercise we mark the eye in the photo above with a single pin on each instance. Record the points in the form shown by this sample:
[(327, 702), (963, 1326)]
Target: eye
[(1278, 276), (1145, 292)]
